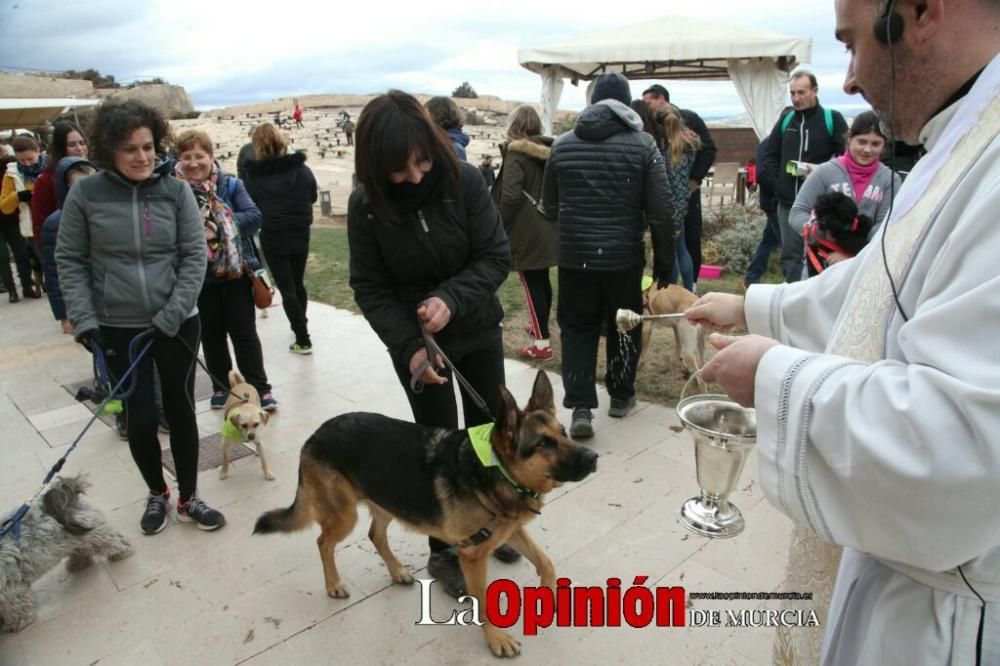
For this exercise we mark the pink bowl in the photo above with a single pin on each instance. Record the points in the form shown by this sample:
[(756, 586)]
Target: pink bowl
[(710, 272)]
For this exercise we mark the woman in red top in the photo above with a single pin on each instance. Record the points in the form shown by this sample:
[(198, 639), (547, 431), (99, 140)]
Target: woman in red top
[(67, 141)]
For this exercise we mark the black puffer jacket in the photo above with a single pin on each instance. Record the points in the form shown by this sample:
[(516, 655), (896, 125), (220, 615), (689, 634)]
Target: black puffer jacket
[(604, 181), (458, 252), (284, 189)]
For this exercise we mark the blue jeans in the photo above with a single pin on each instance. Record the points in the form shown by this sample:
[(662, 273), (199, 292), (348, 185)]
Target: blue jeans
[(683, 266), (770, 241)]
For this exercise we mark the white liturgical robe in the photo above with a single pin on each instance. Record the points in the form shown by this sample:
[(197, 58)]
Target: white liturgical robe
[(882, 434)]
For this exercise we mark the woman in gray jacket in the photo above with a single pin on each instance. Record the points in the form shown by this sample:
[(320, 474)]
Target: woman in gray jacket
[(131, 257), (857, 173)]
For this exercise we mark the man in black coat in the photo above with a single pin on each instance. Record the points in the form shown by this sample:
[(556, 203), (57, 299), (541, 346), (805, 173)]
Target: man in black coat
[(656, 97), (801, 139), (604, 182)]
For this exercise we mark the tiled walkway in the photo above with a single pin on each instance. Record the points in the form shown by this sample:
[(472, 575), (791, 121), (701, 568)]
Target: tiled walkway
[(189, 597)]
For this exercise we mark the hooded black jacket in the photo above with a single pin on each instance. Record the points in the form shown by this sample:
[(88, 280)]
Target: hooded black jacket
[(284, 189), (604, 181), (458, 252)]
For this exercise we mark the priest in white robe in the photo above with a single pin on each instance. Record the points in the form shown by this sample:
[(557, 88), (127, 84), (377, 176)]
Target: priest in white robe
[(878, 397)]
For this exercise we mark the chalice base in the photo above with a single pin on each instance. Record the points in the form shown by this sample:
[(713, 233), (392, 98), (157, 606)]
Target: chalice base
[(716, 520)]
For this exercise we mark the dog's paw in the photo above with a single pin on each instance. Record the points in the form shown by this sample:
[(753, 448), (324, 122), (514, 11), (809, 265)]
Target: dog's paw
[(402, 577), (14, 625), (338, 591), (223, 474), (124, 552), (77, 562), (502, 644), (269, 476)]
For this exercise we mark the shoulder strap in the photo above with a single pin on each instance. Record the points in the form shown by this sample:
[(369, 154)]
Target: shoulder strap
[(828, 117), (786, 121)]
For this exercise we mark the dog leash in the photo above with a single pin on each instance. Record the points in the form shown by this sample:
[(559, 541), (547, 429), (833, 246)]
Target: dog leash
[(13, 524), (433, 350)]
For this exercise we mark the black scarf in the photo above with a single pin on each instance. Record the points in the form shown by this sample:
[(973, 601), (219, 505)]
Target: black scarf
[(406, 197)]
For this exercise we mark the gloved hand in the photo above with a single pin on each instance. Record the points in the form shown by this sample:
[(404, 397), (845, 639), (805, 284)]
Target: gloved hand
[(24, 196), (91, 340)]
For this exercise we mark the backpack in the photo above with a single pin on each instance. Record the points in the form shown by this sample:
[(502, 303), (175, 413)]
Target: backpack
[(827, 117)]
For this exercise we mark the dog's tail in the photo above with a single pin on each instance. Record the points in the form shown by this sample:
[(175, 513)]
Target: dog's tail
[(290, 519), (62, 503), (235, 378)]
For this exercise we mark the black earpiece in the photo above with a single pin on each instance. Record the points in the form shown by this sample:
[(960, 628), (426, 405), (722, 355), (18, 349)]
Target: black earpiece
[(889, 26)]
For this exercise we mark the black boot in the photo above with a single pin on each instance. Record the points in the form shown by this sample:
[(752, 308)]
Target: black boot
[(506, 554), (14, 298), (443, 565)]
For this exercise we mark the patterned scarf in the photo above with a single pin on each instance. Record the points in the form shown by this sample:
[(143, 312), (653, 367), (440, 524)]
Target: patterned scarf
[(220, 231), (31, 173)]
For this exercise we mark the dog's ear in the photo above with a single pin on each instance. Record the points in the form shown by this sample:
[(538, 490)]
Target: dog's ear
[(507, 415), (264, 416), (542, 398), (234, 418)]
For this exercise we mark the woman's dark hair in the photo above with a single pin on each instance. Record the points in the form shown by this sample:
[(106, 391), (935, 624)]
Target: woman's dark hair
[(649, 124), (390, 129), (866, 123), (60, 134), (445, 113), (115, 121)]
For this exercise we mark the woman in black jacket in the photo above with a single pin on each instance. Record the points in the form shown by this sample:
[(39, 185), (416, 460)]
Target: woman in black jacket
[(428, 253), (284, 189)]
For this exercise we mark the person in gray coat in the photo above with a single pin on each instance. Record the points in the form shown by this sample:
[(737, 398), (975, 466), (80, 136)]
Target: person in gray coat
[(131, 255), (857, 173)]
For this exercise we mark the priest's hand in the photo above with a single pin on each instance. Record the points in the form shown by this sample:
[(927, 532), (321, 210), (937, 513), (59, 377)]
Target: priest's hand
[(717, 312), (735, 366)]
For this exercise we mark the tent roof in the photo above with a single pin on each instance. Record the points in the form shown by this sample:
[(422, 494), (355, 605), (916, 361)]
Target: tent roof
[(33, 112), (672, 47)]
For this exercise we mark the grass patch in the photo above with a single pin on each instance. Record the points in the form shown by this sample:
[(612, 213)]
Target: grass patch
[(659, 379)]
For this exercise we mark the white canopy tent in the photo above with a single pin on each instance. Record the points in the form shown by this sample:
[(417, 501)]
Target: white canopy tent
[(30, 112), (676, 47)]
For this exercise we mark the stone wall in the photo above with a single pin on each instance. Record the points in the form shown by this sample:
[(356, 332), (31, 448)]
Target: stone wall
[(26, 86)]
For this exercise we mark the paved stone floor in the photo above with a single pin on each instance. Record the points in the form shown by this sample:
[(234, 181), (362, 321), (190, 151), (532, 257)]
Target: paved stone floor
[(227, 597)]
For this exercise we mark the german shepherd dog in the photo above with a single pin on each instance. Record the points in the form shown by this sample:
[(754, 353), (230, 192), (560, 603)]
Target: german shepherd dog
[(432, 481)]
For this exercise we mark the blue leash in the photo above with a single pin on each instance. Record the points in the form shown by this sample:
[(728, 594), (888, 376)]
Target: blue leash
[(13, 524)]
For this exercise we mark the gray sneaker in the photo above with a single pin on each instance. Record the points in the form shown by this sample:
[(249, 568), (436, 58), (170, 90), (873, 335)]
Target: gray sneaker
[(197, 512), (580, 427), (154, 518), (621, 408)]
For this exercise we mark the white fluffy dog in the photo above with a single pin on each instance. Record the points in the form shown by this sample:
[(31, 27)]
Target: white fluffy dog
[(63, 525)]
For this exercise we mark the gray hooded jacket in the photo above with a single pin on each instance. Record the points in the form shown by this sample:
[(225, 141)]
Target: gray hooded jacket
[(831, 176), (131, 255)]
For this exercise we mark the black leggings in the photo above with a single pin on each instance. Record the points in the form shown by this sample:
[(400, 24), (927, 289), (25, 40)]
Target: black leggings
[(175, 363), (692, 232), (10, 235), (538, 295), (227, 309), (436, 406), (289, 271)]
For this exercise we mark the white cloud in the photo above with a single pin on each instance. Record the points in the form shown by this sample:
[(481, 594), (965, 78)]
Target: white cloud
[(226, 52)]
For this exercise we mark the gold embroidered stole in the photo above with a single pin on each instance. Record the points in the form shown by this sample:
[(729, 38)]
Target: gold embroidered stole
[(860, 332)]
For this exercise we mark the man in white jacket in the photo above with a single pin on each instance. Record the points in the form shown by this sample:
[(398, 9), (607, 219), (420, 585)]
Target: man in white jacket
[(877, 383)]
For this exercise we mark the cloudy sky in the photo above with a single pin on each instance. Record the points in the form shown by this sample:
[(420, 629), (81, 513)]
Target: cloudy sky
[(226, 52)]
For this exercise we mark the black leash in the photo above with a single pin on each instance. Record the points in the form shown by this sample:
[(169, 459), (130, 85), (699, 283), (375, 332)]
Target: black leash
[(434, 350)]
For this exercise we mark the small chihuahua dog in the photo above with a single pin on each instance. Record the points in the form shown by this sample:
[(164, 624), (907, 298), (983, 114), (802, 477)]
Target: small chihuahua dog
[(246, 418)]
